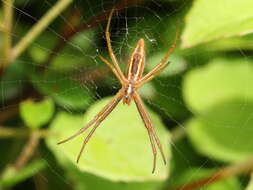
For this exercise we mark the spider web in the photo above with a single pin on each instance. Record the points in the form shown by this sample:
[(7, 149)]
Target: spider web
[(146, 20)]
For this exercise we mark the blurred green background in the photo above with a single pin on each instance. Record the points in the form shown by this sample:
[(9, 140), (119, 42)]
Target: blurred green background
[(52, 83)]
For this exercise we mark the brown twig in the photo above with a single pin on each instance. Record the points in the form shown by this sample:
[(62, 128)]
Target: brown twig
[(40, 26), (93, 22), (28, 150), (8, 15), (221, 174)]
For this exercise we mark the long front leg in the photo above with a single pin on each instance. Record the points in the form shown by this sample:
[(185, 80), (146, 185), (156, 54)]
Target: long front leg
[(112, 69), (110, 50), (100, 114), (149, 126)]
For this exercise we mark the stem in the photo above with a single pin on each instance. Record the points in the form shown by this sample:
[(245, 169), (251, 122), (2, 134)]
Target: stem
[(221, 174), (39, 27), (2, 28), (8, 14), (7, 132), (28, 150)]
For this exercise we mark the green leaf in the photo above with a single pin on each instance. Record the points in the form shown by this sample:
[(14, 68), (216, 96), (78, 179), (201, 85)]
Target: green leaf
[(21, 3), (220, 80), (168, 97), (66, 92), (229, 44), (84, 180), (195, 174), (36, 114), (158, 36), (73, 55), (11, 177), (129, 43), (221, 131), (12, 80), (39, 50), (179, 163), (250, 185), (147, 91), (216, 19), (120, 148)]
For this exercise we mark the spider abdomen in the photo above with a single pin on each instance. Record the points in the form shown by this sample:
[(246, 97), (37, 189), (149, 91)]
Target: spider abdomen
[(137, 61)]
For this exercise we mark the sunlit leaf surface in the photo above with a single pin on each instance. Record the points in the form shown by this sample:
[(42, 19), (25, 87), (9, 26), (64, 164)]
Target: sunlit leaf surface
[(195, 174), (36, 114), (221, 131), (221, 79), (217, 19), (64, 90), (120, 148), (12, 177)]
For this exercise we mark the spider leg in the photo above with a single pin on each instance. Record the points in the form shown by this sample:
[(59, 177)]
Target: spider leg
[(153, 131), (149, 126), (110, 50), (149, 133), (99, 115), (159, 145), (111, 67), (98, 122), (153, 148), (163, 63), (155, 71), (150, 136)]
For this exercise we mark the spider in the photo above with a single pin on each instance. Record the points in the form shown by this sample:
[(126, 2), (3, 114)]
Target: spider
[(130, 82)]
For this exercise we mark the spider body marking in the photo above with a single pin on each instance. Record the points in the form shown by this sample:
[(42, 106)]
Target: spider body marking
[(130, 84), (134, 71), (137, 61)]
